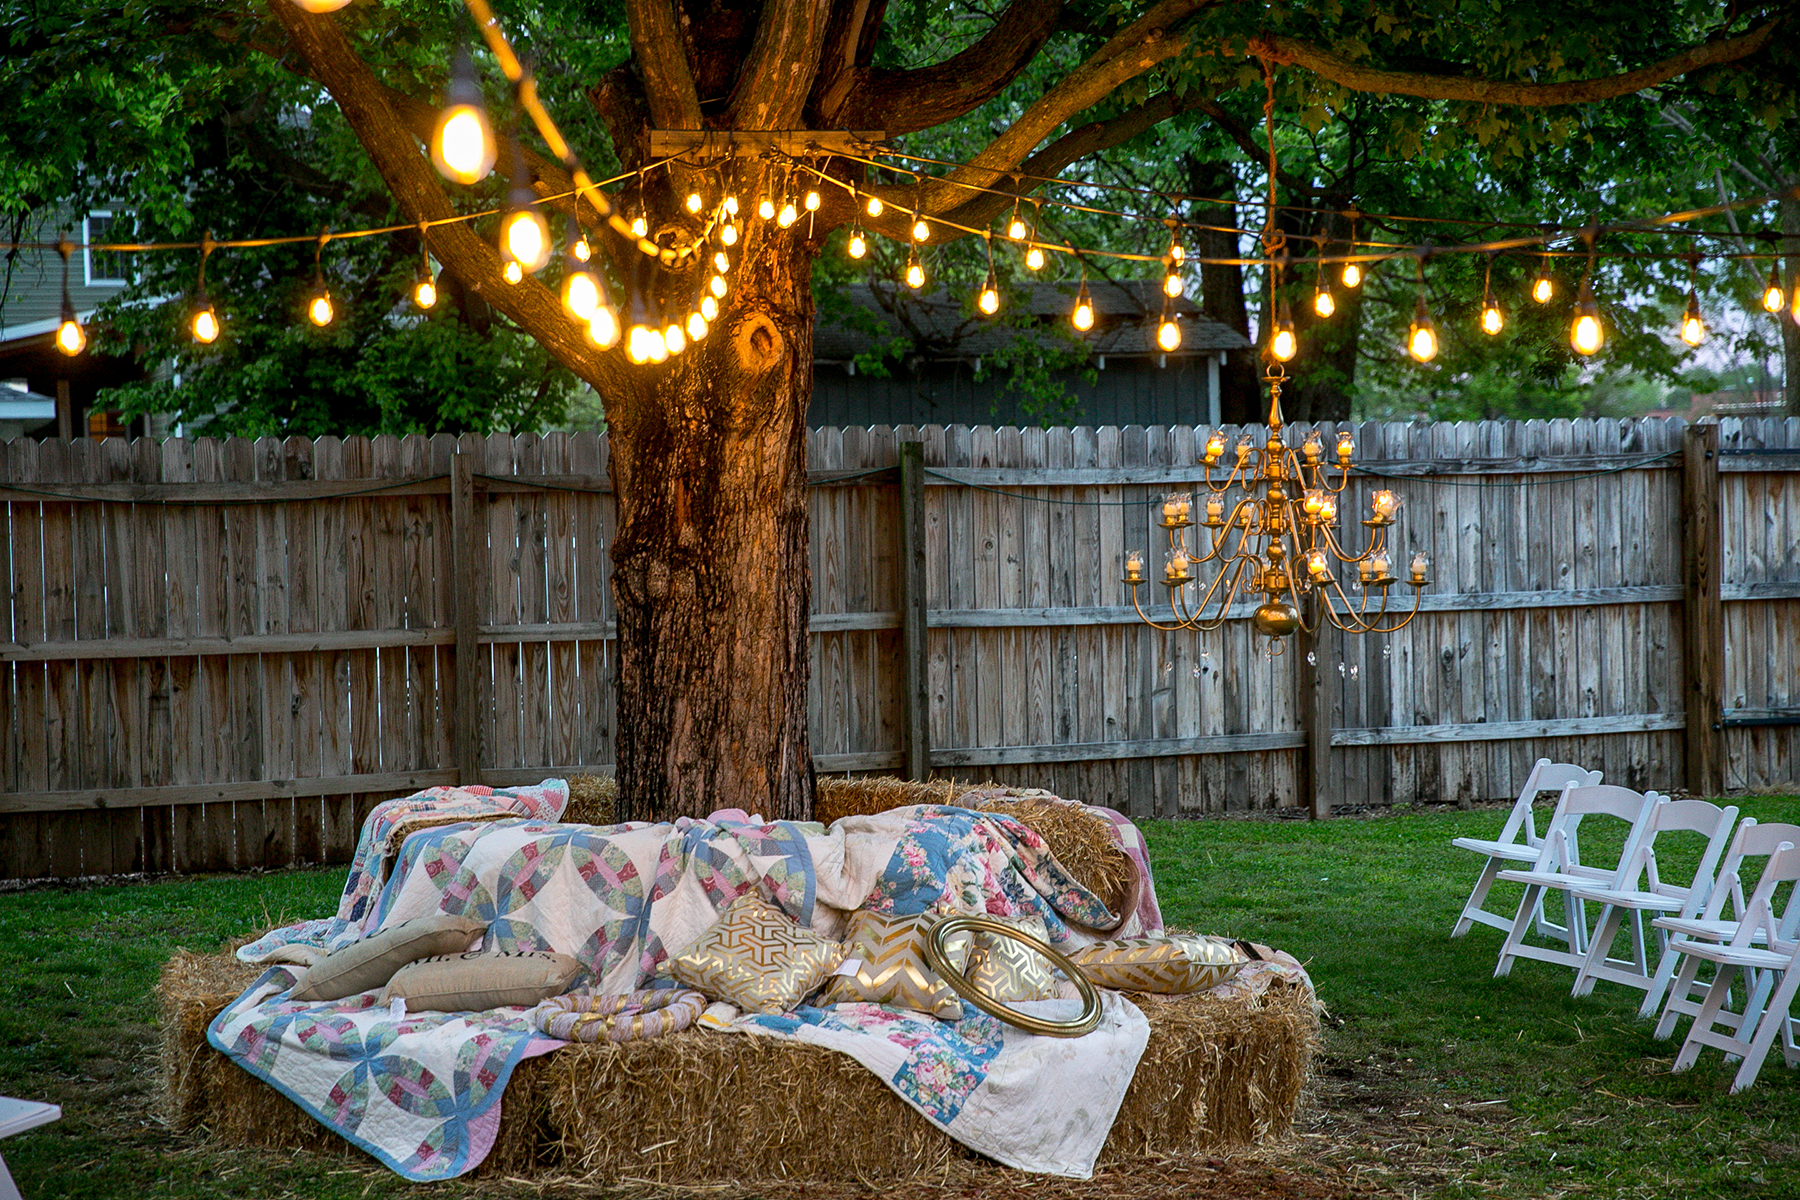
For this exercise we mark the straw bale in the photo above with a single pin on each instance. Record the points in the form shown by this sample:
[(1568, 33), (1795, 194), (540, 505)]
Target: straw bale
[(867, 795), (1216, 1076), (592, 800)]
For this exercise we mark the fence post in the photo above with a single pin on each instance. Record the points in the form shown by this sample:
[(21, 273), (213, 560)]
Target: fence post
[(1703, 612), (467, 563), (915, 730), (1314, 703)]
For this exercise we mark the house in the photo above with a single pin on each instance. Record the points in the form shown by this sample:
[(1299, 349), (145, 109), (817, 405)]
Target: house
[(33, 372), (945, 363)]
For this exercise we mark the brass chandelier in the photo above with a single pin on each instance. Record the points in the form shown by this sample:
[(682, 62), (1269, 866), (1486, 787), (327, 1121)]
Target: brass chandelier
[(1278, 537)]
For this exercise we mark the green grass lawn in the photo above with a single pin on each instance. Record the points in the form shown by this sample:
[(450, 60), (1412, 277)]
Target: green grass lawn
[(1434, 1079)]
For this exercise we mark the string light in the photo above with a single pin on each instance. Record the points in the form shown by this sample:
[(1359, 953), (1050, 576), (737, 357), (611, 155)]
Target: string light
[(915, 270), (731, 204), (988, 301), (721, 262), (320, 7), (788, 215), (694, 203), (524, 234), (1082, 317), (728, 234), (716, 285), (644, 343), (696, 326), (1693, 328), (921, 231), (859, 245), (1015, 228), (674, 339), (875, 207), (1283, 344), (203, 321), (319, 308), (583, 251), (1773, 297), (709, 308), (1586, 334), (71, 338), (463, 148), (811, 200), (1353, 273), (1421, 335), (1543, 287), (581, 291), (424, 291), (1034, 258), (1492, 319), (1168, 331), (1324, 303), (512, 272)]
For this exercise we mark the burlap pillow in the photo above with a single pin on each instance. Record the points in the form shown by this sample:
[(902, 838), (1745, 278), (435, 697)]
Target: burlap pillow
[(476, 982), (1008, 970), (756, 957), (1165, 963), (893, 970), (365, 965)]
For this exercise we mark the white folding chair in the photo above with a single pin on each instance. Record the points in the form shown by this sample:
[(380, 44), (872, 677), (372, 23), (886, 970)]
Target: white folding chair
[(1560, 869), (1719, 923), (1641, 889), (1757, 1026), (1510, 847)]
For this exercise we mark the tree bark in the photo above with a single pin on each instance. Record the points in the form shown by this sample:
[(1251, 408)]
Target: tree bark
[(710, 576)]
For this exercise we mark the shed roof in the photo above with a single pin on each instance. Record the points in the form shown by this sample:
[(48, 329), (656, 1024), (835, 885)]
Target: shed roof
[(945, 326)]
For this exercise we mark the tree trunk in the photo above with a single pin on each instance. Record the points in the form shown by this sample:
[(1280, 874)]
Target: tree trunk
[(1222, 290), (710, 580)]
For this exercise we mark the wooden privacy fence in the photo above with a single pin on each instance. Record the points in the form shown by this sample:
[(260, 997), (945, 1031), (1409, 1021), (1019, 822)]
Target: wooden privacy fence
[(221, 653)]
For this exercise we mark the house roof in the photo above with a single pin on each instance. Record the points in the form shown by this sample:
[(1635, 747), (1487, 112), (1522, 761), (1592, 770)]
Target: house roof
[(945, 326)]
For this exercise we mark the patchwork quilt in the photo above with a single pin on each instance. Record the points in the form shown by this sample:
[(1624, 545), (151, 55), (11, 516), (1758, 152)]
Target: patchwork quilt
[(421, 1091)]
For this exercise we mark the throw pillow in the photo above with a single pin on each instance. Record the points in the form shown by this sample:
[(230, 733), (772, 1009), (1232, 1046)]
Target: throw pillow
[(757, 957), (893, 970), (1165, 963), (365, 965), (1008, 970), (476, 982)]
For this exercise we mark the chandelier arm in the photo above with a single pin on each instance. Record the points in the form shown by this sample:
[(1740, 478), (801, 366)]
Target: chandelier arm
[(1147, 619), (1404, 621)]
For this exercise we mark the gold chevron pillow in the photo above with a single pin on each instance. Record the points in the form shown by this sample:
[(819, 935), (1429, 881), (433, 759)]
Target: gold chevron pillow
[(1008, 970), (1165, 963), (756, 957), (893, 970)]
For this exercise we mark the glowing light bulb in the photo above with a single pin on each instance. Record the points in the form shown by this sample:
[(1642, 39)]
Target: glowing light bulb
[(1083, 315), (1172, 285), (915, 275), (603, 327), (320, 7), (71, 338), (1323, 303), (1773, 296), (1283, 345), (582, 250), (1542, 289), (716, 285), (637, 344), (463, 148), (674, 339), (921, 231), (425, 292), (731, 205), (765, 208), (859, 245), (512, 271), (693, 202), (1422, 340), (319, 310), (1693, 329), (696, 327), (581, 295), (728, 235), (1585, 335), (788, 215), (639, 226), (1352, 275), (709, 308), (1015, 229), (989, 299), (205, 324), (811, 200), (1034, 259), (527, 237), (721, 262), (875, 207), (1492, 319), (1168, 334)]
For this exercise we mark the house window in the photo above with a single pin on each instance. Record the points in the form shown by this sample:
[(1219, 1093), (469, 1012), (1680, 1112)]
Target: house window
[(105, 268)]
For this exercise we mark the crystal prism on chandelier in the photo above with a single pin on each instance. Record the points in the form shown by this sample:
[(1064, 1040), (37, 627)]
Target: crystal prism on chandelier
[(1273, 528)]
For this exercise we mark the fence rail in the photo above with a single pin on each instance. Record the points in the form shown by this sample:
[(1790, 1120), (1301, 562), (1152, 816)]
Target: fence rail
[(220, 654)]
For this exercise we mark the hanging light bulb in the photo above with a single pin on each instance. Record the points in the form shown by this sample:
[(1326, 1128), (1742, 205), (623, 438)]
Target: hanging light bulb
[(811, 199), (1492, 319), (1168, 333), (765, 208), (674, 339), (204, 322), (921, 231), (1421, 335), (1543, 287), (1172, 285), (1586, 334), (580, 292), (788, 215), (424, 292), (643, 344), (988, 301), (709, 308), (731, 204), (1082, 316), (721, 262), (1034, 258), (716, 285), (581, 249), (1693, 327), (915, 270), (71, 338), (1283, 344), (320, 7), (319, 308), (640, 226), (875, 207), (859, 245), (696, 326), (728, 235), (694, 203), (603, 327), (524, 234), (1773, 296), (463, 148), (1323, 304), (1353, 275), (1015, 228), (512, 272)]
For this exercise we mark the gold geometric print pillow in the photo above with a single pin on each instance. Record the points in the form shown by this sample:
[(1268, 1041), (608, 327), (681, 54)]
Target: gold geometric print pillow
[(1008, 970), (757, 958), (1165, 963), (893, 970)]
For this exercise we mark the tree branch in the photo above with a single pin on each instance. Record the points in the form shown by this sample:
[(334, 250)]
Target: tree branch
[(849, 44), (778, 72), (395, 153), (902, 101), (661, 56), (1363, 78)]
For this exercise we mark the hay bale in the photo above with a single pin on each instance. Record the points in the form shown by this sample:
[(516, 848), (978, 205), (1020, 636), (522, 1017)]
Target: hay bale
[(1215, 1076), (591, 800), (835, 799)]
